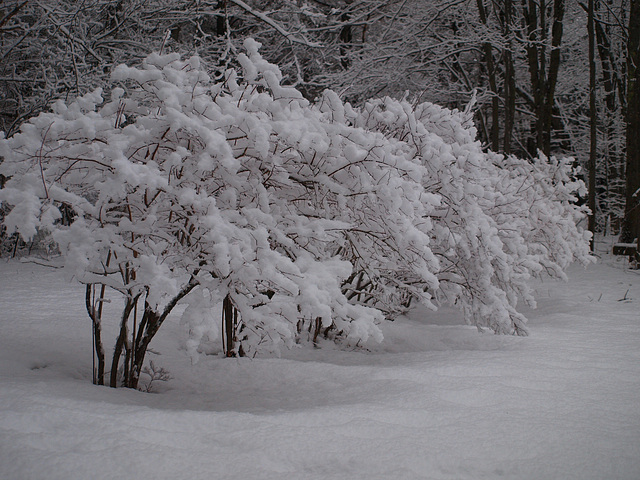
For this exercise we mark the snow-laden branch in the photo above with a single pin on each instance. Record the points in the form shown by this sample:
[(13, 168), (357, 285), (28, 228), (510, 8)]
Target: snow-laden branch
[(275, 25)]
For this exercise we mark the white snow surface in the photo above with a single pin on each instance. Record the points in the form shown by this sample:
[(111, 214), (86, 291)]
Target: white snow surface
[(436, 400)]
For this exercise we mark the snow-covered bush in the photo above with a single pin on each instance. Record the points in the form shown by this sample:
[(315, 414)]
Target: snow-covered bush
[(501, 220), (301, 217)]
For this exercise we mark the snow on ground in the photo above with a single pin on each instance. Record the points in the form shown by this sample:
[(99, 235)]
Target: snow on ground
[(437, 400)]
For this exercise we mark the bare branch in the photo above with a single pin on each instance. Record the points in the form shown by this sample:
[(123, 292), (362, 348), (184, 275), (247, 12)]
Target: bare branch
[(289, 36)]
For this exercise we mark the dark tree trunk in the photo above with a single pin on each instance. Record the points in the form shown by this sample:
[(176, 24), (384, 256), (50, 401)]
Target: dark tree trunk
[(509, 80), (543, 78), (494, 135), (593, 121), (612, 78), (149, 324), (221, 19), (229, 320), (532, 29), (552, 78), (121, 340), (611, 185), (96, 320), (346, 39), (612, 152), (94, 309), (631, 222)]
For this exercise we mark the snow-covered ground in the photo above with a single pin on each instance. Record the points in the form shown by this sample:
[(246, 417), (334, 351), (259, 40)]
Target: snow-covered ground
[(437, 400)]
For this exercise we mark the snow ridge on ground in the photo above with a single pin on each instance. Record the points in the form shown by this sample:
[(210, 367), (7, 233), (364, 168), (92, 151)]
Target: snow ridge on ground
[(437, 400)]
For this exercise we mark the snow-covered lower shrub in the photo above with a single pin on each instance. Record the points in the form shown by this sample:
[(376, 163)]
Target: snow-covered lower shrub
[(301, 217), (501, 220)]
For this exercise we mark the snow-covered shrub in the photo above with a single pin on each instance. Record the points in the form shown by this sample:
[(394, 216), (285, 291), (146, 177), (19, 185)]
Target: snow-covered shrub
[(501, 220), (301, 216), (242, 189)]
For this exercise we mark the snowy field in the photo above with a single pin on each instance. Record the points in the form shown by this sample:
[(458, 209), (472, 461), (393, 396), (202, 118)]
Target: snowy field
[(437, 400)]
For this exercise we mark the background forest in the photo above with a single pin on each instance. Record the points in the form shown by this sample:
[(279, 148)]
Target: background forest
[(557, 76)]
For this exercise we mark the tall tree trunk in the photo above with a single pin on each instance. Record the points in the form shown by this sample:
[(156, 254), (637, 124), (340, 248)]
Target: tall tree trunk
[(613, 78), (543, 79), (494, 139), (613, 82), (612, 149), (509, 80), (530, 18), (631, 222), (593, 121), (552, 77)]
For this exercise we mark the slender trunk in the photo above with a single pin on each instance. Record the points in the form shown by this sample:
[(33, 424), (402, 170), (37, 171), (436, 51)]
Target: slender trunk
[(593, 120), (543, 78), (345, 38), (530, 19), (609, 75), (130, 301), (552, 77), (614, 90), (509, 81), (613, 78), (631, 222), (94, 309), (98, 347), (228, 326), (151, 320), (494, 135)]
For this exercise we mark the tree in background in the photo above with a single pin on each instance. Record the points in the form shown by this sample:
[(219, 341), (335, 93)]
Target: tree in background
[(544, 64), (593, 120), (631, 223), (64, 49), (610, 32)]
